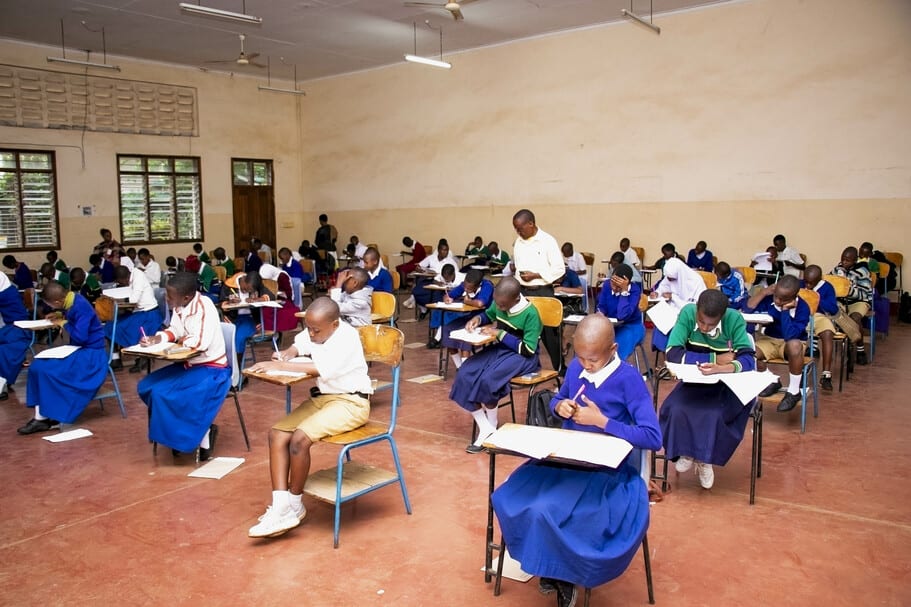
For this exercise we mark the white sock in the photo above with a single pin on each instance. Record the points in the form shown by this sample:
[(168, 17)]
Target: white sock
[(485, 428), (281, 500), (38, 413), (296, 503), (456, 360), (492, 416), (439, 334), (827, 374), (793, 383), (204, 443), (116, 356), (2, 384)]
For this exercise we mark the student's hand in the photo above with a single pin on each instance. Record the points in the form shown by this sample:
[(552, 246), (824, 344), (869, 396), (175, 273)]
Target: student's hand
[(512, 267), (565, 408), (769, 290), (790, 305), (668, 296), (715, 368), (472, 324), (150, 341), (447, 298), (588, 413), (725, 358), (528, 276), (491, 330), (283, 355)]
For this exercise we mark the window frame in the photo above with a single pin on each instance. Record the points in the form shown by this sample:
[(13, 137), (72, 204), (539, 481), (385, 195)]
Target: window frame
[(56, 245), (173, 174), (251, 162)]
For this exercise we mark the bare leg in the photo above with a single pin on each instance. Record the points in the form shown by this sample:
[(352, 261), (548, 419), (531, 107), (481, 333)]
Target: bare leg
[(279, 463), (828, 345), (794, 350), (300, 461)]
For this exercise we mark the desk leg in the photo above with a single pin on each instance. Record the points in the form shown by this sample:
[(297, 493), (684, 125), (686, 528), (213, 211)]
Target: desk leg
[(287, 400), (488, 556)]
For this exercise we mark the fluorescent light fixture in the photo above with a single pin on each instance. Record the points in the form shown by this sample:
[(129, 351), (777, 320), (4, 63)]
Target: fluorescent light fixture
[(207, 11), (640, 20), (289, 91), (104, 66), (426, 61)]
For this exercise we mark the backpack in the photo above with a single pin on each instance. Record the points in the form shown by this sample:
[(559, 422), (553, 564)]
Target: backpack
[(904, 308), (538, 412)]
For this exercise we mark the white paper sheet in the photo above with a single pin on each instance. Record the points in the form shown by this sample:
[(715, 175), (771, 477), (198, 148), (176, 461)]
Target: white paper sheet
[(217, 468), (574, 318), (68, 435), (118, 292), (283, 373), (300, 359), (538, 442), (34, 324), (663, 315), (759, 318), (469, 336), (58, 352), (456, 305), (265, 304), (161, 346), (746, 386)]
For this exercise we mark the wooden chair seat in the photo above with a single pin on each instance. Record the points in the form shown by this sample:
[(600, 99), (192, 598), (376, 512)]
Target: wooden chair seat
[(379, 318), (357, 478), (541, 377), (368, 430)]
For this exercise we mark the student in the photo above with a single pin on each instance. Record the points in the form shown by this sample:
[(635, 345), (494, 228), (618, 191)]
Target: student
[(576, 526), (200, 252), (49, 272), (417, 252), (630, 257), (882, 286), (258, 246), (244, 287), (222, 259), (679, 287), (476, 247), (495, 257), (823, 323), (295, 272), (14, 342), (208, 279), (449, 278), (22, 276), (102, 269), (767, 267), (86, 285), (420, 295), (570, 289), (133, 325), (130, 259), (474, 292), (58, 263), (704, 423), (340, 402), (359, 250), (574, 261), (252, 261), (326, 235), (619, 299), (700, 258), (668, 251), (483, 380), (308, 251), (59, 389), (784, 336), (353, 297), (731, 283), (791, 261), (150, 267), (859, 299), (184, 398), (108, 246), (379, 278), (615, 260)]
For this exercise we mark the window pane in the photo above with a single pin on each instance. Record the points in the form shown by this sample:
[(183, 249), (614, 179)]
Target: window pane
[(189, 214), (161, 206), (28, 200), (7, 160), (130, 163), (186, 165), (10, 225), (163, 203), (134, 218), (262, 173), (34, 161), (159, 165), (39, 210), (241, 171)]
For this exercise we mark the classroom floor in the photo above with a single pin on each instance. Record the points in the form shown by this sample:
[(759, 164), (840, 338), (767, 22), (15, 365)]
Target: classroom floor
[(101, 521)]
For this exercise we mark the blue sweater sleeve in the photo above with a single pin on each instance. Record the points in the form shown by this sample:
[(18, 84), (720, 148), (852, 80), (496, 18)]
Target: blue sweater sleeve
[(628, 306), (643, 432)]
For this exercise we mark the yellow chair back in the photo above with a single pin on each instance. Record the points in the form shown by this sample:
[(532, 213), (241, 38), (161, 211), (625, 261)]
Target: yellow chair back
[(895, 258), (382, 343), (396, 280), (221, 273), (811, 297), (550, 309), (643, 302), (841, 284), (748, 273), (884, 269), (640, 252), (709, 278), (382, 303), (272, 285)]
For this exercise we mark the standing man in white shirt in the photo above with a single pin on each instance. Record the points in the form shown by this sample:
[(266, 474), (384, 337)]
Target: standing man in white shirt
[(789, 257), (537, 264)]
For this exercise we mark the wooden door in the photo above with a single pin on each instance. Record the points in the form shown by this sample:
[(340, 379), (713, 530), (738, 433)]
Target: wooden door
[(253, 203)]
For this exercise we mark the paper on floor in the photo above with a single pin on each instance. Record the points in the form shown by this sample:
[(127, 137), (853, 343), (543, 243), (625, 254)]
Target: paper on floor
[(68, 435), (217, 468)]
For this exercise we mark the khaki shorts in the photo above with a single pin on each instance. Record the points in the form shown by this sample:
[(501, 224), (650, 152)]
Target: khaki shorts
[(822, 323), (858, 307), (327, 415), (771, 347)]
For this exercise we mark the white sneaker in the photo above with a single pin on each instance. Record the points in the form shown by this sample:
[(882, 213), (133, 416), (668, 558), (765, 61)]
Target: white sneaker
[(274, 523), (408, 303), (706, 475), (456, 360), (300, 514), (683, 463)]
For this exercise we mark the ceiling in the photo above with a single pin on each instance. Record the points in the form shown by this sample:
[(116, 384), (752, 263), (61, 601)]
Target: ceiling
[(320, 37)]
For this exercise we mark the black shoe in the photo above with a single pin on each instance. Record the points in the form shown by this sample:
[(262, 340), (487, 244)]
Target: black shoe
[(473, 448), (771, 389), (117, 364), (139, 365), (825, 383), (547, 585), (38, 425), (861, 357), (176, 453), (205, 454), (433, 344), (788, 402), (4, 395), (423, 315), (566, 594)]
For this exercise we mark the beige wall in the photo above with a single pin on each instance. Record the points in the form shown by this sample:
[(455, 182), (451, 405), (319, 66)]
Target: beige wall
[(740, 121)]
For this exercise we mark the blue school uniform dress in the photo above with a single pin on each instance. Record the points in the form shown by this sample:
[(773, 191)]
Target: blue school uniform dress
[(453, 321), (145, 319), (584, 525), (484, 377), (184, 398), (14, 341), (706, 421), (629, 329), (63, 387), (22, 277)]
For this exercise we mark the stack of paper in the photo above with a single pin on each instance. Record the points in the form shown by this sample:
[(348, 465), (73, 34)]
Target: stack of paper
[(746, 385), (455, 305), (58, 352), (34, 324), (470, 336), (161, 346), (538, 442)]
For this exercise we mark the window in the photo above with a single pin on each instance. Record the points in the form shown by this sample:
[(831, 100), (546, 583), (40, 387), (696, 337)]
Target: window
[(252, 172), (160, 199), (28, 200)]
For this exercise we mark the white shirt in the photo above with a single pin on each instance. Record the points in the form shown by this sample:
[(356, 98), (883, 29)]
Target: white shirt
[(576, 263), (339, 360), (359, 251), (268, 251), (433, 262), (539, 254), (791, 254), (630, 258), (141, 292), (126, 261), (198, 324), (152, 272)]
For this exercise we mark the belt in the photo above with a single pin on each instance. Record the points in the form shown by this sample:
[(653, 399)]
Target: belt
[(361, 394)]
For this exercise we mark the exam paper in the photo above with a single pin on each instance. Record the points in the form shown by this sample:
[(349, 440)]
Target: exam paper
[(663, 315), (217, 467), (58, 352), (68, 435)]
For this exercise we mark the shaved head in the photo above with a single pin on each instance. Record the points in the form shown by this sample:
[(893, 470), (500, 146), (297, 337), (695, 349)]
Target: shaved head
[(53, 291), (323, 309), (594, 330), (508, 287)]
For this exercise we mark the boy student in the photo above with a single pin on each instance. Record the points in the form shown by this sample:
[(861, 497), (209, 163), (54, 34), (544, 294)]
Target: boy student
[(859, 299), (474, 292), (59, 389), (619, 299), (184, 398), (668, 251), (704, 423), (575, 526), (731, 283), (339, 402), (260, 247), (243, 287), (359, 250), (432, 264), (823, 325), (49, 272), (449, 278), (101, 268), (791, 261), (14, 342), (476, 247), (618, 258), (200, 252), (150, 267), (58, 263), (133, 325), (700, 258), (483, 380), (379, 277), (630, 257), (222, 259), (767, 266), (22, 276), (86, 285), (417, 252), (353, 297), (495, 257), (783, 337)]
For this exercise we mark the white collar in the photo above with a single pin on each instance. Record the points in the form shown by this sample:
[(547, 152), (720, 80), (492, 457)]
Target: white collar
[(521, 305), (597, 378), (793, 310), (713, 333)]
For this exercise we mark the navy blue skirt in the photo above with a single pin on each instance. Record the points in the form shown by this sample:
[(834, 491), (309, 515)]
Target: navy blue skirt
[(702, 421), (128, 327), (63, 387), (483, 379), (14, 344), (578, 525)]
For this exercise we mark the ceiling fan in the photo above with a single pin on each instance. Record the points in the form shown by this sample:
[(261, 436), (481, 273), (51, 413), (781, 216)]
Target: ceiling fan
[(455, 7), (243, 58)]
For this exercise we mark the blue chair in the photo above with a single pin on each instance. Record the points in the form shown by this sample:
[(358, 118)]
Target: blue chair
[(349, 480), (263, 336), (115, 392), (227, 330)]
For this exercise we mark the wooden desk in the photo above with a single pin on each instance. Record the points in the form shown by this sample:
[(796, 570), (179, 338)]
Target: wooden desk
[(176, 353), (443, 361), (279, 380)]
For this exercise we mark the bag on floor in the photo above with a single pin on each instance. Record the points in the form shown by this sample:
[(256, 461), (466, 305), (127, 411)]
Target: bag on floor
[(538, 412), (904, 308), (848, 326)]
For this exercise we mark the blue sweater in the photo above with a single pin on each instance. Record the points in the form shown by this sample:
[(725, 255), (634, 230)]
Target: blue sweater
[(790, 324), (625, 308), (706, 264), (382, 281)]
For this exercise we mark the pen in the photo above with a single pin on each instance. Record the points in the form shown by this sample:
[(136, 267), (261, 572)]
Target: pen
[(143, 331), (576, 397), (279, 354)]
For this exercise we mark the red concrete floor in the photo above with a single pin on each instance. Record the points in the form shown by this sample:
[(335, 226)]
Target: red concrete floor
[(101, 521)]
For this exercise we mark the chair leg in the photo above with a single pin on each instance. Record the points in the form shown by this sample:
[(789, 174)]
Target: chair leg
[(588, 597), (648, 570), (755, 463), (500, 558), (240, 417), (398, 470)]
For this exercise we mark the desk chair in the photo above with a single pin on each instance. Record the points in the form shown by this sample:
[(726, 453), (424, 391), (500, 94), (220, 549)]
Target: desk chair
[(108, 314), (310, 269), (349, 480), (749, 275), (641, 253), (227, 331), (551, 311), (238, 264), (640, 456), (30, 301), (640, 347), (382, 308), (590, 287), (220, 272), (264, 335), (896, 259), (709, 278), (842, 286)]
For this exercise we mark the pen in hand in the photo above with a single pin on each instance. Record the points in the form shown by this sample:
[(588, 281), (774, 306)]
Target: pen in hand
[(576, 398), (278, 355)]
